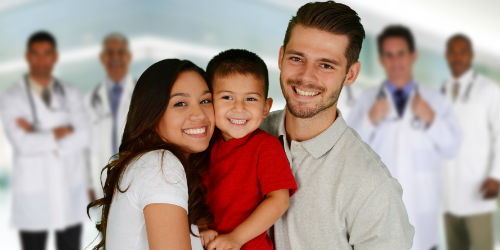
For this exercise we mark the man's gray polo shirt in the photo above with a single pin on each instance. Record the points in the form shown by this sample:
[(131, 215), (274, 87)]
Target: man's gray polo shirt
[(346, 197)]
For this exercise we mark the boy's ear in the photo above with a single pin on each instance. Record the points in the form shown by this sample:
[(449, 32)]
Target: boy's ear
[(267, 106)]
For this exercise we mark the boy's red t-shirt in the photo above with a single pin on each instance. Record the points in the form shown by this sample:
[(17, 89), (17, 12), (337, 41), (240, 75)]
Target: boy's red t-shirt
[(242, 171)]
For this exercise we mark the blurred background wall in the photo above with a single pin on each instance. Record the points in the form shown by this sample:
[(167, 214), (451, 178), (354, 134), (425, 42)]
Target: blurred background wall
[(197, 30)]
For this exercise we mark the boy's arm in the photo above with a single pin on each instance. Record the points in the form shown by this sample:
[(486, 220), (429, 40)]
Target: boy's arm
[(263, 217)]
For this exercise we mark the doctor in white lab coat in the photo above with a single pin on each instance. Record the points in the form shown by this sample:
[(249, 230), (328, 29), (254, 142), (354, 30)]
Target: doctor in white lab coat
[(108, 104), (471, 180), (412, 128), (47, 125)]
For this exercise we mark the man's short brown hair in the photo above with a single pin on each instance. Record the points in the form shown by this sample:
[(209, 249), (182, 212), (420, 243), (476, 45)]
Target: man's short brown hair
[(332, 17)]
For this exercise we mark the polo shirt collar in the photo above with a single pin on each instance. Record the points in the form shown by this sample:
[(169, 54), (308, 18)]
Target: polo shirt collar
[(322, 143)]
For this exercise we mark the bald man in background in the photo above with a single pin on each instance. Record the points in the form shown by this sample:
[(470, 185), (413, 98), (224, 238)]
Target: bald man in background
[(471, 180), (108, 104)]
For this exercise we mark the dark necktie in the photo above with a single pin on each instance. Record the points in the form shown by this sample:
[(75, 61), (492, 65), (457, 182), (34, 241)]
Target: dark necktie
[(46, 96), (116, 92), (400, 101)]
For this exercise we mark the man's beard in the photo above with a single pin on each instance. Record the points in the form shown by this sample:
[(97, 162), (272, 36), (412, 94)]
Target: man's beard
[(304, 113)]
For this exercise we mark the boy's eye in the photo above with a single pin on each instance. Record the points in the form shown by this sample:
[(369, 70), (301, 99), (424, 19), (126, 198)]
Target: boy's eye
[(251, 99), (226, 97), (206, 101), (180, 104)]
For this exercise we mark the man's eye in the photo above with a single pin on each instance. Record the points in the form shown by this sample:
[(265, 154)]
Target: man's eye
[(180, 104), (226, 97), (251, 99), (206, 101), (295, 59), (326, 66)]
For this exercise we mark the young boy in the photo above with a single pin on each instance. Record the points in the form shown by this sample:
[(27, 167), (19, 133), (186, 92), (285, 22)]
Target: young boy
[(249, 181)]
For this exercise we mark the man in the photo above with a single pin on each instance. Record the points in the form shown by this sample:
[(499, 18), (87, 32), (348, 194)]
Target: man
[(412, 128), (471, 180), (346, 198), (46, 123), (108, 105)]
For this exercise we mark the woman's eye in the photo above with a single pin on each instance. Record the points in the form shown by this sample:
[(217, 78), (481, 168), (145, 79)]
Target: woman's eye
[(180, 104), (206, 101), (251, 99), (227, 98)]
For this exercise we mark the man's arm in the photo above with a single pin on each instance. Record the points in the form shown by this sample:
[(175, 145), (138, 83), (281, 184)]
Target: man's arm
[(381, 222), (443, 131)]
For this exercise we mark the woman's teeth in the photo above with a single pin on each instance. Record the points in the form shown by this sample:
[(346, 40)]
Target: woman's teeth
[(305, 93), (195, 131), (238, 122)]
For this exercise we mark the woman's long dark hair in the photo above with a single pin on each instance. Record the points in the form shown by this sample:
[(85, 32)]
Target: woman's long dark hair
[(149, 101)]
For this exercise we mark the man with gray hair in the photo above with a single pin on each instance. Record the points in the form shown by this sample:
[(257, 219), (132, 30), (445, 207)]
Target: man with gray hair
[(108, 104)]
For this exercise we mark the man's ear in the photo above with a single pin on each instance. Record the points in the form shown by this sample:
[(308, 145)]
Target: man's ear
[(352, 73), (267, 106), (280, 57)]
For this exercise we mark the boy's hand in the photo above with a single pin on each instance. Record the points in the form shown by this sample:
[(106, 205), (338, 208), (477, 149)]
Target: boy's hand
[(225, 242), (206, 236)]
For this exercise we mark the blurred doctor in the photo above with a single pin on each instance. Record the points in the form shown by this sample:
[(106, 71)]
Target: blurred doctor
[(412, 128), (471, 180), (108, 105), (46, 123)]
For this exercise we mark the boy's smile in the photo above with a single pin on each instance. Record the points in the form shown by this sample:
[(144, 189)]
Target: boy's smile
[(240, 104)]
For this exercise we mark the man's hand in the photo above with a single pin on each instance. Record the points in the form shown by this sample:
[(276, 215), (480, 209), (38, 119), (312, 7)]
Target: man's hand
[(490, 188), (225, 242), (24, 125), (379, 110), (206, 236), (62, 131), (422, 110)]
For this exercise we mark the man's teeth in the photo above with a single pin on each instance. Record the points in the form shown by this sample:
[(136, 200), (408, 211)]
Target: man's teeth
[(239, 122), (305, 93), (195, 131)]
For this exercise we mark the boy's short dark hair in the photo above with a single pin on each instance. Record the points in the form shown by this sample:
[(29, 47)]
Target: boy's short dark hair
[(238, 61), (331, 17), (396, 31), (41, 36)]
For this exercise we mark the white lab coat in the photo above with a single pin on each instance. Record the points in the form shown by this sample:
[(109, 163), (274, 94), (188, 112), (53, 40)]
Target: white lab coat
[(99, 107), (478, 114), (413, 155), (49, 175)]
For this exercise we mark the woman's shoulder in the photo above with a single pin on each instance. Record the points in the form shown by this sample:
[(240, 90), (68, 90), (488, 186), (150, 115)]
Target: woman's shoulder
[(157, 162)]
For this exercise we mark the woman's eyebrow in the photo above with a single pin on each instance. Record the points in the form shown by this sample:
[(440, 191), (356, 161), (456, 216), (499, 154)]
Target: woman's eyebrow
[(179, 94)]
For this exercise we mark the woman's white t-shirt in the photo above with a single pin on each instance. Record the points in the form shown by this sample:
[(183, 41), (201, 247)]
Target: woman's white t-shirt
[(155, 177)]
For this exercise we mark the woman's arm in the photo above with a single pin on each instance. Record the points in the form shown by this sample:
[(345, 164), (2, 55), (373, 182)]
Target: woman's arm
[(263, 217), (167, 227)]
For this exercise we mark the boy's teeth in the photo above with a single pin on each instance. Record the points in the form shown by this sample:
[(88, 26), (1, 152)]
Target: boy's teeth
[(305, 93), (195, 131), (238, 121)]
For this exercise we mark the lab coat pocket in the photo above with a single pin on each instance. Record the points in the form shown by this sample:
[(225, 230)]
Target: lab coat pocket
[(30, 175)]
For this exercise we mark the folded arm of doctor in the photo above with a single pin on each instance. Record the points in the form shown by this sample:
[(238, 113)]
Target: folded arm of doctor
[(19, 131), (79, 137)]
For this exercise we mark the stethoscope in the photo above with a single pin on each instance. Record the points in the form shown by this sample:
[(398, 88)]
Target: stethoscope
[(465, 98), (98, 105), (57, 89), (415, 123)]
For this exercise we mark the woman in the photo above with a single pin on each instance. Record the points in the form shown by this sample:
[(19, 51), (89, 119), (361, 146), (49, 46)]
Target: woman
[(160, 161)]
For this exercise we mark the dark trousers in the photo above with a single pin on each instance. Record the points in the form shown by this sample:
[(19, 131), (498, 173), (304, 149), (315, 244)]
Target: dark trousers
[(67, 239)]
